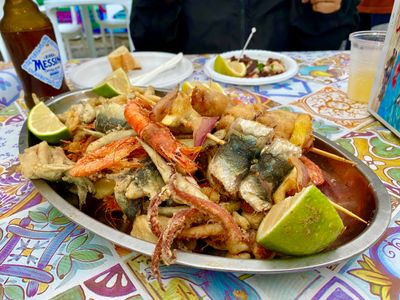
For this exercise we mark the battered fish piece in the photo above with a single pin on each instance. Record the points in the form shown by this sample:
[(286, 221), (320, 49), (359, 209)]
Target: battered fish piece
[(232, 162), (240, 110), (141, 228), (132, 186), (208, 102), (255, 194), (280, 120), (78, 114), (44, 162), (48, 162)]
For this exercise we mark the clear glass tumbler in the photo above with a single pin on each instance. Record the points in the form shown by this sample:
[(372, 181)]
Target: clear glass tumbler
[(365, 54)]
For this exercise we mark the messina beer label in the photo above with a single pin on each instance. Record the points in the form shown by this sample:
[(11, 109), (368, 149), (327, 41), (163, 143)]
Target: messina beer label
[(44, 63)]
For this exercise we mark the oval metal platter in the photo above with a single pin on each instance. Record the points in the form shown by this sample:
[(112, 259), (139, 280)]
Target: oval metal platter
[(379, 216)]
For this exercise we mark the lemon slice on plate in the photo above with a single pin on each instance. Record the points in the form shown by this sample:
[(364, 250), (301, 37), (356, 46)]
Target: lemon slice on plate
[(113, 85), (45, 125), (304, 224), (230, 68)]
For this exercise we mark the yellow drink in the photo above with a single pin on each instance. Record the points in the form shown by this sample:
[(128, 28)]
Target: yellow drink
[(360, 85), (366, 50)]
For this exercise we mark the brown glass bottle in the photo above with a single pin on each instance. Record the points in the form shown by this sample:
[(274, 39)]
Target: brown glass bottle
[(30, 41)]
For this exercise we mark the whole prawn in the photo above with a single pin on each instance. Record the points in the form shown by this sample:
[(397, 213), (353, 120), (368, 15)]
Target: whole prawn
[(109, 156), (159, 137)]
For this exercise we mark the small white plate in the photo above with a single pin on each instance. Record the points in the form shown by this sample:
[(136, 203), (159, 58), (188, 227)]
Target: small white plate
[(261, 55), (88, 74)]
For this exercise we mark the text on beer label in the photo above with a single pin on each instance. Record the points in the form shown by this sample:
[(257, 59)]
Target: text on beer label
[(44, 63)]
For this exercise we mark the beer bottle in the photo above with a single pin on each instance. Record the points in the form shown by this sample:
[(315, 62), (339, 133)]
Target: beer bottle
[(29, 38)]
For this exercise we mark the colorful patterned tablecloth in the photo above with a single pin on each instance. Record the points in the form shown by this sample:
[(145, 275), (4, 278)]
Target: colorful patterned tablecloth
[(44, 255)]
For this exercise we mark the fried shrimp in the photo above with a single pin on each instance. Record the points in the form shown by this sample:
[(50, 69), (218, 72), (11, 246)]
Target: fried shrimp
[(106, 157), (160, 138)]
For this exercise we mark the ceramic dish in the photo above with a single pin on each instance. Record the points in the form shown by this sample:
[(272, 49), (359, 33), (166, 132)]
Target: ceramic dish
[(261, 55)]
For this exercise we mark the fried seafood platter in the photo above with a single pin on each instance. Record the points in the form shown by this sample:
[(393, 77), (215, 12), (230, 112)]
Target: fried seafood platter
[(234, 186)]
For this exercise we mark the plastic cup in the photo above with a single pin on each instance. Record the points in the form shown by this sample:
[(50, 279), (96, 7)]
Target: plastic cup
[(365, 53)]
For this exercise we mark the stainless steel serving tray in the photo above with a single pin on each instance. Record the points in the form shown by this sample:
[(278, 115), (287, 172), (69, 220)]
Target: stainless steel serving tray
[(378, 211)]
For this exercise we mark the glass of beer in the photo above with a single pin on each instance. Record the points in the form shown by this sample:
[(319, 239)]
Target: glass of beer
[(365, 54)]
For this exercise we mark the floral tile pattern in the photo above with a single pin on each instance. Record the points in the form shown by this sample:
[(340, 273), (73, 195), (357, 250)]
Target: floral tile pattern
[(114, 283), (332, 104), (10, 87), (376, 271), (378, 148), (287, 91), (194, 283), (326, 70), (42, 250)]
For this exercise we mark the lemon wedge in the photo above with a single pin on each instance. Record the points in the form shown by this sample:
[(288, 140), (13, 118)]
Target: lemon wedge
[(230, 68)]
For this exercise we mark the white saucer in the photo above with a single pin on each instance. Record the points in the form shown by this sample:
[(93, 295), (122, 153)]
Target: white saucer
[(88, 74)]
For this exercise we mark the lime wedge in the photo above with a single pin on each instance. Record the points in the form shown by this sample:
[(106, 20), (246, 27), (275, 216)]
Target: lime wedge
[(304, 224), (230, 68), (44, 124), (113, 85)]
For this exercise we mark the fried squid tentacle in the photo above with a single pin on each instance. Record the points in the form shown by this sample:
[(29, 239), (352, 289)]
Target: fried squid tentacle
[(163, 250), (178, 222), (152, 211), (236, 239)]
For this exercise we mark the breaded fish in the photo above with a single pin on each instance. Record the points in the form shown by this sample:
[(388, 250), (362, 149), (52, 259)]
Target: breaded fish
[(132, 186)]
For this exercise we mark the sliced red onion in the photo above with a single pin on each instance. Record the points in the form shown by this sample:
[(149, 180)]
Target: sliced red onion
[(206, 125), (313, 170), (303, 177)]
